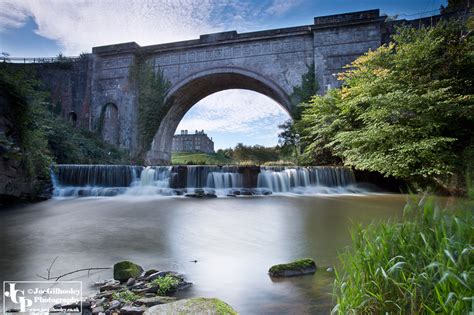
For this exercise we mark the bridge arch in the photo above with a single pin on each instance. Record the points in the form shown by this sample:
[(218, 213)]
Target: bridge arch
[(190, 90)]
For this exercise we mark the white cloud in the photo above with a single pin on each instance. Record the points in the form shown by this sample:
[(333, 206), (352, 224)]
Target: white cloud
[(235, 111), (12, 15), (78, 25), (280, 7)]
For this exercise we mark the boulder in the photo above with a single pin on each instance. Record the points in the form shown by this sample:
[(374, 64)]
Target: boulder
[(295, 268), (125, 270), (149, 272), (193, 306), (156, 300), (131, 282), (97, 310), (132, 310), (111, 285), (114, 305)]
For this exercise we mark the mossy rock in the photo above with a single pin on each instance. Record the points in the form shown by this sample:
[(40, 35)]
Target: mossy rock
[(193, 306), (295, 268), (125, 270)]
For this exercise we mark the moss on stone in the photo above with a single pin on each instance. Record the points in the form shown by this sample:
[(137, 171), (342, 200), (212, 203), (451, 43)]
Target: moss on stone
[(221, 307), (299, 265), (125, 270)]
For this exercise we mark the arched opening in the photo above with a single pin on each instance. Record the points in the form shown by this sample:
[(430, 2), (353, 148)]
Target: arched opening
[(110, 123), (72, 118), (191, 90)]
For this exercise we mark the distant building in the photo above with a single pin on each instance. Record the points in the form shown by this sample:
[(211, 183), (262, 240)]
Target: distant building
[(188, 142)]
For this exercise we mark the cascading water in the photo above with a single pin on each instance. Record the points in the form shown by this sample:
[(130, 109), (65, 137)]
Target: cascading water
[(154, 180), (316, 179), (93, 180), (111, 180)]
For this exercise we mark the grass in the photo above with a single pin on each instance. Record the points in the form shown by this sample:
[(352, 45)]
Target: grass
[(423, 265), (165, 284), (195, 158), (127, 295)]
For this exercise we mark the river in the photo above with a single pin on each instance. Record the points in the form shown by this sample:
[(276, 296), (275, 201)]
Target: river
[(234, 240)]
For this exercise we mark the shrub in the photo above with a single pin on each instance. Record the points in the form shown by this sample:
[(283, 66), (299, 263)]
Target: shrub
[(423, 265), (166, 284), (127, 295)]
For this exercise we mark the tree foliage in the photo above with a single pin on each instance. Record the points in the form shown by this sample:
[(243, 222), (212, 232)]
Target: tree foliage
[(289, 137), (405, 109), (256, 154), (22, 99)]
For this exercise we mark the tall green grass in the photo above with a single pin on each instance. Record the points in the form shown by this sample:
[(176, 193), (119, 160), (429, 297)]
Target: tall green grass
[(423, 265)]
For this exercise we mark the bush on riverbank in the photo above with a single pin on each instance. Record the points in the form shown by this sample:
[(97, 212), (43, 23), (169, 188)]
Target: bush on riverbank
[(423, 265)]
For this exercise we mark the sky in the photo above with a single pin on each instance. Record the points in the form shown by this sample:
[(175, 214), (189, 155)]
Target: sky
[(45, 28)]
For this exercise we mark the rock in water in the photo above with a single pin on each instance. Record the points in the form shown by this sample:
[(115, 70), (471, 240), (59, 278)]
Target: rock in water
[(131, 282), (125, 270), (149, 272), (193, 306), (132, 310), (295, 268)]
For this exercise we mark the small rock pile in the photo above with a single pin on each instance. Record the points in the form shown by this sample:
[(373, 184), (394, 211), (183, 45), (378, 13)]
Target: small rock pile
[(133, 291)]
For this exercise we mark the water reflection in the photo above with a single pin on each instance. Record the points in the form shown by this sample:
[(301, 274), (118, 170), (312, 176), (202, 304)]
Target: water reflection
[(234, 240)]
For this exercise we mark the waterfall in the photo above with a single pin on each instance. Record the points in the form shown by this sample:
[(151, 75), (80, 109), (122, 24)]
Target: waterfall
[(154, 180), (224, 180), (301, 179), (197, 175), (93, 180), (112, 180), (96, 175)]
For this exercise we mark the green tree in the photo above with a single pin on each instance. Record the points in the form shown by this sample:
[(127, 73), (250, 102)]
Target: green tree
[(319, 124), (405, 109), (289, 139)]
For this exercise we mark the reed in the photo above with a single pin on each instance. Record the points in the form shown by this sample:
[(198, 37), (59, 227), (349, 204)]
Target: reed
[(423, 265)]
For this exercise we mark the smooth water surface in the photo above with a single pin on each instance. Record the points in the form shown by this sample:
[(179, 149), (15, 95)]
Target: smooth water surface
[(235, 241)]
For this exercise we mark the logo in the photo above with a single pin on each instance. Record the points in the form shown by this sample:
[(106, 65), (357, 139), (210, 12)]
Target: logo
[(40, 297), (18, 297)]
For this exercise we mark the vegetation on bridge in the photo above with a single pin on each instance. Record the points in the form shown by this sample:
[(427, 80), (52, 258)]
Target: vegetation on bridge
[(151, 91)]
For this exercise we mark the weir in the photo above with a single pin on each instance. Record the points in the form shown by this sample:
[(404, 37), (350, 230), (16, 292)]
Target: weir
[(112, 180)]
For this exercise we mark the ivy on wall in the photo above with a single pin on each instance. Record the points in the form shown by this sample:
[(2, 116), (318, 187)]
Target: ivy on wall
[(303, 93), (290, 135), (151, 91)]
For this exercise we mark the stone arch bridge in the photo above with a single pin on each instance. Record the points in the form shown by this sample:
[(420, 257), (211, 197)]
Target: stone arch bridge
[(271, 62)]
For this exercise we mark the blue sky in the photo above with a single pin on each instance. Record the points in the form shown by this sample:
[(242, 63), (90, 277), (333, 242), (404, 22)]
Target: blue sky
[(33, 28)]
